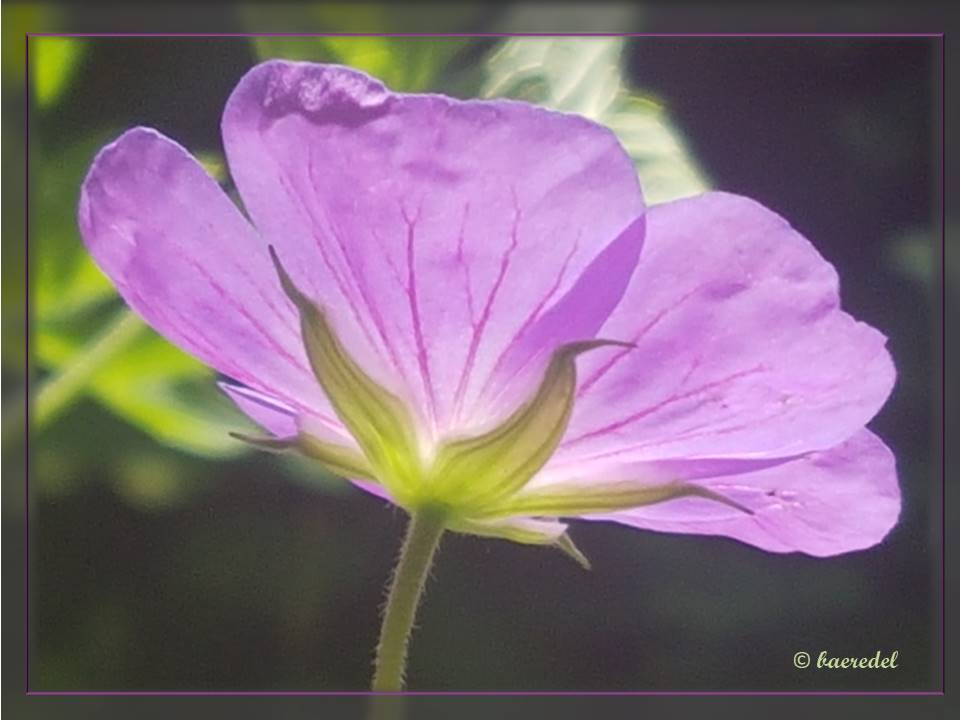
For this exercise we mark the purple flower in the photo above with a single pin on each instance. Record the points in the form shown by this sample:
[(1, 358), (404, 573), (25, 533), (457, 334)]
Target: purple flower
[(470, 306)]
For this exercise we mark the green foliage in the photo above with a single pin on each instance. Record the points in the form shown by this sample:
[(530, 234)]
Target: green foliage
[(912, 254), (584, 76), (64, 281), (141, 377), (53, 63), (404, 64)]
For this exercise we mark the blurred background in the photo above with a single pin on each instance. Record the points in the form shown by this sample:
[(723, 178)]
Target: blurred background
[(164, 555)]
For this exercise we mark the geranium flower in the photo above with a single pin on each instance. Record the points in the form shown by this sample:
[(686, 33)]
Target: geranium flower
[(469, 309)]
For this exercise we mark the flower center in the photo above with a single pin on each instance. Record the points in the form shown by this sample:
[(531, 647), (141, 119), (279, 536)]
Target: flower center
[(472, 478)]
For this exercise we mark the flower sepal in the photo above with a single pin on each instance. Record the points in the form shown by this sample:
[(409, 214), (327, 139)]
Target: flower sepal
[(526, 531), (572, 500), (472, 472), (377, 419), (336, 459)]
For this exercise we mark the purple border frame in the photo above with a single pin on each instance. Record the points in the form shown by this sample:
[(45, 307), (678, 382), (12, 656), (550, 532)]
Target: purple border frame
[(430, 693)]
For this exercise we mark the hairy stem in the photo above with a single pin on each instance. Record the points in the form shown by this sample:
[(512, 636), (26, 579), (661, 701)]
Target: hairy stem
[(423, 536)]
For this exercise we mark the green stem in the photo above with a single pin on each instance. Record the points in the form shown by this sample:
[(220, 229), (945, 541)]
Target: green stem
[(423, 536), (54, 395)]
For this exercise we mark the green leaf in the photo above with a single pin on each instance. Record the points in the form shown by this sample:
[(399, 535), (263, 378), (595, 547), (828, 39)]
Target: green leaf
[(215, 165), (141, 377), (20, 18), (192, 415), (404, 64), (64, 279), (667, 170), (53, 63), (584, 76)]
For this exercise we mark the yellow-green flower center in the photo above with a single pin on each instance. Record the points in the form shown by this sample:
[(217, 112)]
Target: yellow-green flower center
[(477, 482)]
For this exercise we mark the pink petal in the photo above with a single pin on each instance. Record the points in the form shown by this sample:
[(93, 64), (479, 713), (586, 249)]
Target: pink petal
[(283, 421), (184, 258), (824, 503), (268, 412), (741, 348), (434, 231), (374, 489)]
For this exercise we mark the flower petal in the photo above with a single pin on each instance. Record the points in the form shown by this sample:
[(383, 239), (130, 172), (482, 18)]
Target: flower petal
[(266, 411), (824, 503), (184, 258), (434, 231), (741, 348)]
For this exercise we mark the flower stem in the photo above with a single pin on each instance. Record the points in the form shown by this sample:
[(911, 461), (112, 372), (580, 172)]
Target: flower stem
[(423, 536)]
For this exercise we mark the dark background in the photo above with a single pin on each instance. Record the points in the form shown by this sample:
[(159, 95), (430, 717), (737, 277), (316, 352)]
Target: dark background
[(253, 581)]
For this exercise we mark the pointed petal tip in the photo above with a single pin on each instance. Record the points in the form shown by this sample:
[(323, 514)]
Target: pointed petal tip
[(707, 494), (566, 545), (288, 287), (578, 347), (264, 443), (618, 343)]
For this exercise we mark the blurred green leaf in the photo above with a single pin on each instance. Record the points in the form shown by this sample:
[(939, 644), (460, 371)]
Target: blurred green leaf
[(141, 377), (51, 69), (20, 18), (192, 416), (584, 76), (89, 344), (64, 278), (153, 480), (404, 64), (14, 256), (915, 254), (666, 168), (911, 254), (215, 165), (53, 63), (364, 18)]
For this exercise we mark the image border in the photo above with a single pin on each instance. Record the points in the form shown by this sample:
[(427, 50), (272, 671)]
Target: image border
[(940, 342)]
